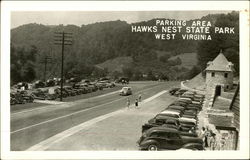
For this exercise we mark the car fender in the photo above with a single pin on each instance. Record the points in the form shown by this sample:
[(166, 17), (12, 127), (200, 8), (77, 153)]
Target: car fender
[(148, 142)]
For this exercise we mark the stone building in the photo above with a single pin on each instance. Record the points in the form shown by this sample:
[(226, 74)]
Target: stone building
[(219, 75)]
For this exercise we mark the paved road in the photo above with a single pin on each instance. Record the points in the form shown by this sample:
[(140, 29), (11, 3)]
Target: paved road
[(33, 126)]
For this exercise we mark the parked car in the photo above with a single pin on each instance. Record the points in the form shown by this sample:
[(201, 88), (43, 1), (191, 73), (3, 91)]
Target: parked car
[(16, 98), (193, 147), (171, 113), (179, 103), (64, 93), (125, 91), (38, 94), (180, 92), (110, 85), (173, 90), (176, 107), (22, 85), (27, 96), (92, 87), (123, 80), (70, 90), (39, 84), (158, 138), (187, 123), (189, 116), (159, 121), (50, 83)]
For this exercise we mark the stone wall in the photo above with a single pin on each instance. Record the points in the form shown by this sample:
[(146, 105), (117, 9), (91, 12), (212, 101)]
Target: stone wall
[(219, 79), (183, 86)]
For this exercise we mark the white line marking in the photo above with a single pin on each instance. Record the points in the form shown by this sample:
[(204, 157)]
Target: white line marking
[(153, 97), (71, 114), (47, 106), (60, 136), (48, 101), (64, 116)]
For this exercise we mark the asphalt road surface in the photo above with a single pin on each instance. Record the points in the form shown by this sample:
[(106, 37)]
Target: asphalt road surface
[(31, 126)]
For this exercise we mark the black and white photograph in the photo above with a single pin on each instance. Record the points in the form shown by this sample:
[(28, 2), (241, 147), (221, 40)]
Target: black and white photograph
[(126, 80)]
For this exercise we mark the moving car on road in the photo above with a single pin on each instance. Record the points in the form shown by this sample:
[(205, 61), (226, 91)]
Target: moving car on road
[(125, 91)]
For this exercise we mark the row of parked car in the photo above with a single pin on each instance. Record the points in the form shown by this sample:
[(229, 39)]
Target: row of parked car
[(52, 93), (175, 127)]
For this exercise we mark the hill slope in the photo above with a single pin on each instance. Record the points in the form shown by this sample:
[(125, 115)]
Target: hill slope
[(189, 60)]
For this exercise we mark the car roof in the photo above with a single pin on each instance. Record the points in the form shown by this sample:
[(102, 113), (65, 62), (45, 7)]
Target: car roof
[(162, 116), (175, 106), (184, 119), (161, 129), (126, 87), (169, 112), (173, 109)]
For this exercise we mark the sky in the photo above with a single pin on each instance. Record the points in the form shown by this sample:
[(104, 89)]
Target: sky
[(87, 17)]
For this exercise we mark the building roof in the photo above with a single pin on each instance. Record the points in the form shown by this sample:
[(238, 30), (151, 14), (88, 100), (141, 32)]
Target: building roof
[(220, 63)]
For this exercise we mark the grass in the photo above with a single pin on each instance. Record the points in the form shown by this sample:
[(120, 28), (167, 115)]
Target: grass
[(116, 64)]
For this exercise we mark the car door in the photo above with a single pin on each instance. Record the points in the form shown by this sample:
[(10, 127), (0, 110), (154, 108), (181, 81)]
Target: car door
[(163, 140), (173, 141)]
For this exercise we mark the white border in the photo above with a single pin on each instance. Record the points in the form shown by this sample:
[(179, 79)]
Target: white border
[(7, 7)]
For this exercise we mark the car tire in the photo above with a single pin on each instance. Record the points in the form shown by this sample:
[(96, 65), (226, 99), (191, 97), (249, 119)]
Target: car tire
[(153, 147)]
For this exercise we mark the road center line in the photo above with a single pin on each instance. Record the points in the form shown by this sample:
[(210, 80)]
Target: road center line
[(60, 136), (71, 114)]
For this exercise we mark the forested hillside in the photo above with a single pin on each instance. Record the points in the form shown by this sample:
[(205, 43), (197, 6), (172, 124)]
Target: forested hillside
[(101, 42)]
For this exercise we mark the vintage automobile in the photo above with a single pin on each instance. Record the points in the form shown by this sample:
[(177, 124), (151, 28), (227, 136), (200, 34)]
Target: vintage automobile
[(159, 121), (187, 100), (180, 92), (171, 113), (70, 90), (191, 97), (123, 80), (176, 107), (110, 85), (50, 83), (189, 116), (38, 94), (197, 107), (64, 92), (92, 87), (192, 147), (187, 123), (27, 96), (173, 90), (179, 103), (125, 91), (159, 138), (16, 98), (39, 84)]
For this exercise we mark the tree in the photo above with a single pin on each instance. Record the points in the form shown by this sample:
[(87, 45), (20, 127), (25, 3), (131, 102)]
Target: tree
[(127, 72), (229, 43)]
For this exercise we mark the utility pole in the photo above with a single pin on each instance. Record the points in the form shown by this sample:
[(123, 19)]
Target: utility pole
[(63, 38), (45, 61)]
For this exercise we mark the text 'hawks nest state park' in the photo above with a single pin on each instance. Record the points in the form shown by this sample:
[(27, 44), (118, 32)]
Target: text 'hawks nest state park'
[(167, 29)]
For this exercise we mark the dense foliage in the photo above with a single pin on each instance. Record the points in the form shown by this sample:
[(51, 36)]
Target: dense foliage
[(228, 43)]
